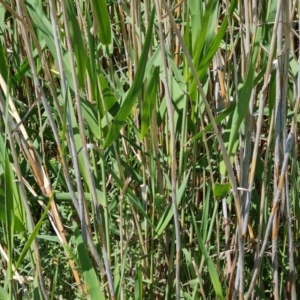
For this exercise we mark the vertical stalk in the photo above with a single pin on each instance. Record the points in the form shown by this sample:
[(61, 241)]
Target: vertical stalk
[(172, 146), (278, 151), (258, 132), (291, 285)]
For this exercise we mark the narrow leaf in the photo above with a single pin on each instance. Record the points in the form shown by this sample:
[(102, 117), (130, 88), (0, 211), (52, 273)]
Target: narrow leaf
[(168, 214), (77, 43), (218, 120), (101, 12), (18, 225), (88, 271), (244, 94), (33, 235), (134, 90), (210, 266), (149, 102)]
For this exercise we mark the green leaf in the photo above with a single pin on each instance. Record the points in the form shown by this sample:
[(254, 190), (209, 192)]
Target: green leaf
[(9, 202), (101, 12), (168, 214), (90, 116), (3, 64), (244, 94), (44, 28), (260, 293), (209, 263), (205, 215), (33, 235), (129, 193), (138, 285), (18, 225), (135, 89), (42, 23), (89, 274), (208, 21), (77, 43), (221, 189), (149, 103), (49, 238), (109, 107), (54, 284), (3, 293), (225, 113), (212, 48)]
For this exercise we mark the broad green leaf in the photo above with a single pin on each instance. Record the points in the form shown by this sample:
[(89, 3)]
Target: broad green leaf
[(110, 107), (196, 12), (10, 200), (244, 94), (89, 274), (67, 197), (101, 12), (149, 102), (3, 294), (134, 90), (178, 97), (209, 19), (221, 189), (138, 285), (271, 13), (212, 271)]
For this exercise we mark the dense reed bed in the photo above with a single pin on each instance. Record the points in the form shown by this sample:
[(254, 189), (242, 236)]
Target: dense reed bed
[(149, 149)]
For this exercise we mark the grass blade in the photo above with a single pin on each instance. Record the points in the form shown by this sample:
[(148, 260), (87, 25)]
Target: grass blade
[(89, 274), (102, 16), (134, 90), (211, 268), (245, 94)]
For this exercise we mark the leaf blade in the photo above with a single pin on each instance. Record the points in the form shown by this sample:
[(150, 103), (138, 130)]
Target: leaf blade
[(134, 90)]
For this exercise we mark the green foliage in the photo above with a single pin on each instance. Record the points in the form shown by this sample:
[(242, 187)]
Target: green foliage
[(93, 174), (221, 189), (134, 90)]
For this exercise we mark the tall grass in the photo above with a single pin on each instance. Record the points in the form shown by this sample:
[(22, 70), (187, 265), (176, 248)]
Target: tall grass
[(149, 149)]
